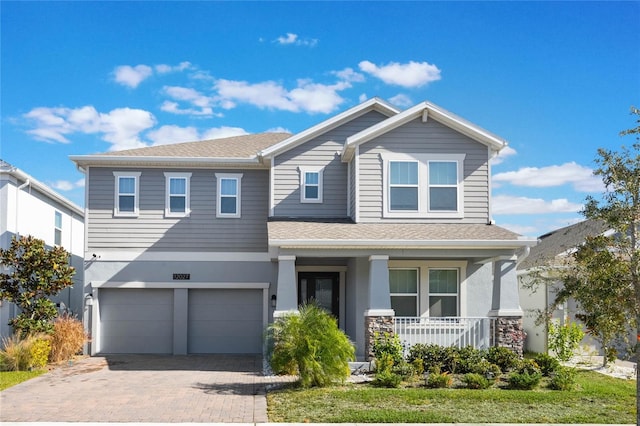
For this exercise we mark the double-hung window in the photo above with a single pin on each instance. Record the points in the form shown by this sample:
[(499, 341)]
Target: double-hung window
[(126, 193), (423, 185), (57, 237), (443, 292), (403, 288), (229, 192), (310, 185), (177, 194)]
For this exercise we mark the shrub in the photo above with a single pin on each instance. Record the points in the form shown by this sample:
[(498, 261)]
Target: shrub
[(439, 380), (563, 378), (447, 358), (564, 339), (387, 379), (390, 345), (476, 381), (67, 339), (469, 357), (418, 366), (504, 358), (526, 376), (547, 364), (310, 344), (24, 353), (39, 351), (486, 369)]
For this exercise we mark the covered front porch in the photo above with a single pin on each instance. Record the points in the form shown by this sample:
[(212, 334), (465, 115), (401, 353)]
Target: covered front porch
[(425, 290)]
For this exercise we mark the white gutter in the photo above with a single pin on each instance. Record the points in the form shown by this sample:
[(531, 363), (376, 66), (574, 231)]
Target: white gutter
[(421, 244), (83, 160)]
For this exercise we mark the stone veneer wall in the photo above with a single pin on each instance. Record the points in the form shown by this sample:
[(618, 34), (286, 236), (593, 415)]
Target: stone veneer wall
[(373, 326), (509, 333)]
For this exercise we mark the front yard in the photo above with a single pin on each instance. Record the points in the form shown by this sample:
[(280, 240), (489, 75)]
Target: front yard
[(12, 378), (596, 399)]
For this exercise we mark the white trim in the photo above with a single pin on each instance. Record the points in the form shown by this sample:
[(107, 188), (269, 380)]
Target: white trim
[(170, 256), (179, 284), (378, 257), (272, 178), (506, 313), (85, 242), (307, 169), (356, 175), (137, 161), (423, 161), (136, 195), (385, 244), (379, 313), (286, 257), (489, 184), (167, 194), (238, 178), (416, 294)]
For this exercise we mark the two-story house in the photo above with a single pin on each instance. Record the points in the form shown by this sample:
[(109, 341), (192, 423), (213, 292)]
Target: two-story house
[(29, 207), (382, 216)]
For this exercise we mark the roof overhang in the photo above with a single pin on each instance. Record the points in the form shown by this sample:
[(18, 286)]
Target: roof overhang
[(374, 104), (425, 111), (403, 244), (84, 161)]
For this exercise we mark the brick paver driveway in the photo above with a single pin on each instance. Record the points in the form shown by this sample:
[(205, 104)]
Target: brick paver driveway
[(143, 388)]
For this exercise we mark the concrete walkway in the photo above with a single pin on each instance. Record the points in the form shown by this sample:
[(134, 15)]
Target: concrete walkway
[(144, 388)]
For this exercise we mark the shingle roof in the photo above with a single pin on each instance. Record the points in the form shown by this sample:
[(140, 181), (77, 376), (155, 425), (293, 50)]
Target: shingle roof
[(295, 232), (560, 241), (246, 146)]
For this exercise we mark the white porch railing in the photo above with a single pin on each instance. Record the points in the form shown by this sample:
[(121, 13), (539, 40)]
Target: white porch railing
[(444, 331)]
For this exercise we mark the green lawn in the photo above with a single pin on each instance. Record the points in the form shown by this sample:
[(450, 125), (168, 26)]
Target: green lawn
[(12, 378), (597, 399)]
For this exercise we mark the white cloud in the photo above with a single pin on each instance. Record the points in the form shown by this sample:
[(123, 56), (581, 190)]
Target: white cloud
[(580, 177), (348, 74), (120, 127), (503, 155), (293, 39), (401, 100), (132, 76), (189, 95), (175, 134), (278, 130), (521, 229), (506, 204), (308, 96), (65, 185), (223, 132), (411, 74), (164, 68), (363, 97)]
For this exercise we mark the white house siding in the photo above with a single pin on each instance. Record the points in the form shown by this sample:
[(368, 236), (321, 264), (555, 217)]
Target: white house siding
[(201, 231), (30, 211), (430, 137), (322, 151)]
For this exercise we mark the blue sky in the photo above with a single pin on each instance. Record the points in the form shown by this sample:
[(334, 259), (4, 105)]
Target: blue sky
[(555, 79)]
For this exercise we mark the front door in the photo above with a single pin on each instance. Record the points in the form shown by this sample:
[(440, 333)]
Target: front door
[(321, 287)]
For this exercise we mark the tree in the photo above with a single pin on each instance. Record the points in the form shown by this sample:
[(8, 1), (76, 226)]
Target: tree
[(31, 274)]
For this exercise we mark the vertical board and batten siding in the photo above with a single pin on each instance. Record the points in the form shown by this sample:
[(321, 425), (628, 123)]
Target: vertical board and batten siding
[(322, 151), (201, 231), (423, 138)]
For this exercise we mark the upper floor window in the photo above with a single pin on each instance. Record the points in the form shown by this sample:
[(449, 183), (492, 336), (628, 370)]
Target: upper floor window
[(423, 185), (177, 202), (229, 193), (127, 193), (310, 185), (57, 237)]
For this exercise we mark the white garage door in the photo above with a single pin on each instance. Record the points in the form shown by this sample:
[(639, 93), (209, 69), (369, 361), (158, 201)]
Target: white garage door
[(136, 321), (225, 321)]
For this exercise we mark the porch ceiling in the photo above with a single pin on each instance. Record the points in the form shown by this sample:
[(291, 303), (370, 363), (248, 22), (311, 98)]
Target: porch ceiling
[(307, 234)]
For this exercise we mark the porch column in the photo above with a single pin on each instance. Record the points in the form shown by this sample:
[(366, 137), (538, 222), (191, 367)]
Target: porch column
[(505, 307), (287, 292), (379, 315)]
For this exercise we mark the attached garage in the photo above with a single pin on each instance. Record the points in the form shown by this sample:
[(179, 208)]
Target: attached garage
[(136, 321), (201, 318)]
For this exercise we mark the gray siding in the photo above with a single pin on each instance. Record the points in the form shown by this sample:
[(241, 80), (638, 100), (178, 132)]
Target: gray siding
[(322, 151), (201, 231), (430, 137)]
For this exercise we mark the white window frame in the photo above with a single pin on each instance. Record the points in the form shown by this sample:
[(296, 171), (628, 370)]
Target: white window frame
[(423, 186), (187, 204), (136, 194), (303, 184), (456, 295), (57, 230), (416, 294), (423, 281), (238, 178)]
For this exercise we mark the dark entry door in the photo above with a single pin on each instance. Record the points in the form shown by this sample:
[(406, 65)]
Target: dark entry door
[(322, 287)]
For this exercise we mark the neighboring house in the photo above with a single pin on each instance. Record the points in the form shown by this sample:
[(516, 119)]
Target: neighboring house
[(29, 207), (382, 216), (553, 250)]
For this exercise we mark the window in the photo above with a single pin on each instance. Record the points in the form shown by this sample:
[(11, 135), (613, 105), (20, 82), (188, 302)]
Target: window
[(177, 194), (443, 292), (423, 185), (228, 203), (57, 238), (310, 185), (403, 288), (126, 199), (403, 185)]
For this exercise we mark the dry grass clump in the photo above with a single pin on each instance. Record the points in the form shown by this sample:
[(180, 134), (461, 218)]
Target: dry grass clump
[(20, 353), (67, 339)]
